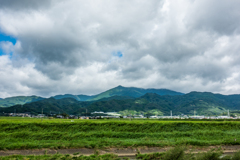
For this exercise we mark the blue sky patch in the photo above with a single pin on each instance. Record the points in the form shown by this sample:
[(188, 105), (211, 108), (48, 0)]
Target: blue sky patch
[(4, 37), (1, 52), (117, 54)]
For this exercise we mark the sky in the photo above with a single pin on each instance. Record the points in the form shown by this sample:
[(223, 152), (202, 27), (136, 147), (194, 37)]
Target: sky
[(52, 47)]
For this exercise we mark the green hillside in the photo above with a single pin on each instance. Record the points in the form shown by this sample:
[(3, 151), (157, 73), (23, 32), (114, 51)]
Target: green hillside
[(120, 91), (77, 97), (116, 98), (50, 105), (132, 92), (7, 102)]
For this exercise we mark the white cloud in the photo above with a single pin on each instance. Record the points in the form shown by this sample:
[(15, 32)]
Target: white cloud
[(6, 47)]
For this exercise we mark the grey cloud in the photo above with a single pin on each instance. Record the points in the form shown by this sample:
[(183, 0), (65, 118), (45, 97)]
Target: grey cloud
[(24, 4), (202, 68), (215, 16), (72, 38), (133, 70)]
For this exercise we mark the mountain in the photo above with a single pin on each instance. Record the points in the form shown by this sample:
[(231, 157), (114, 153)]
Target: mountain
[(203, 103), (50, 105), (119, 91), (77, 97), (137, 104), (7, 102), (72, 106), (132, 92), (116, 98), (127, 98)]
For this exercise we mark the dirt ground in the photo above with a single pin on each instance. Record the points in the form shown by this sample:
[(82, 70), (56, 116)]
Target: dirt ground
[(121, 152)]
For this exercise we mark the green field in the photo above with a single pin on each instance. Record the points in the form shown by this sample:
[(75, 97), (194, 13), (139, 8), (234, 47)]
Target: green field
[(27, 133)]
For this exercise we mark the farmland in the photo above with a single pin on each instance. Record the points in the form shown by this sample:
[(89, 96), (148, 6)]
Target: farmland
[(26, 133)]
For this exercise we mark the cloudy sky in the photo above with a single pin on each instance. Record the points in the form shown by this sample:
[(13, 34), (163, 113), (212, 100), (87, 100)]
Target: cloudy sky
[(51, 47)]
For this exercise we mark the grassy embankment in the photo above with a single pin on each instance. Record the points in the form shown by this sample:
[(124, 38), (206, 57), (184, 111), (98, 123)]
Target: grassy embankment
[(26, 133)]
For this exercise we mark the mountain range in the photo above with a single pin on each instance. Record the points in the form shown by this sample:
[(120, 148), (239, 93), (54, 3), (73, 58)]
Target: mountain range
[(134, 99), (117, 91), (7, 102)]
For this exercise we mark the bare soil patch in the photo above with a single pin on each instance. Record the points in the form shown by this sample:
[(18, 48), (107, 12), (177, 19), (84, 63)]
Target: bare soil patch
[(121, 152)]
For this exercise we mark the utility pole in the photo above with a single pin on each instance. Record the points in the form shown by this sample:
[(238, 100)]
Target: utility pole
[(171, 113), (228, 114)]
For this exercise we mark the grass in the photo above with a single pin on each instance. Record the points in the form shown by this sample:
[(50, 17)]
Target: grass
[(27, 133), (178, 154)]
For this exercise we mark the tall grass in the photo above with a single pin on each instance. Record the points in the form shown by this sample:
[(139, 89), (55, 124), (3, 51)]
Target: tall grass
[(178, 154), (17, 133)]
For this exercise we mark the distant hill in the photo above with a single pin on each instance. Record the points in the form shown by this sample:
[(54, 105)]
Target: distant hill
[(50, 105), (132, 92), (119, 91), (7, 102), (137, 104), (126, 98), (203, 103)]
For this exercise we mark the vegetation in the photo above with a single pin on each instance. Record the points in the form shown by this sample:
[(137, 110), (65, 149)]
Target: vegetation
[(120, 93), (154, 112), (127, 98), (55, 133), (67, 105), (132, 92), (202, 103), (178, 154), (7, 102), (77, 97)]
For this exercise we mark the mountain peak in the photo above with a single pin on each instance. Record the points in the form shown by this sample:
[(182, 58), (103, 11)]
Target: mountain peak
[(119, 86)]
